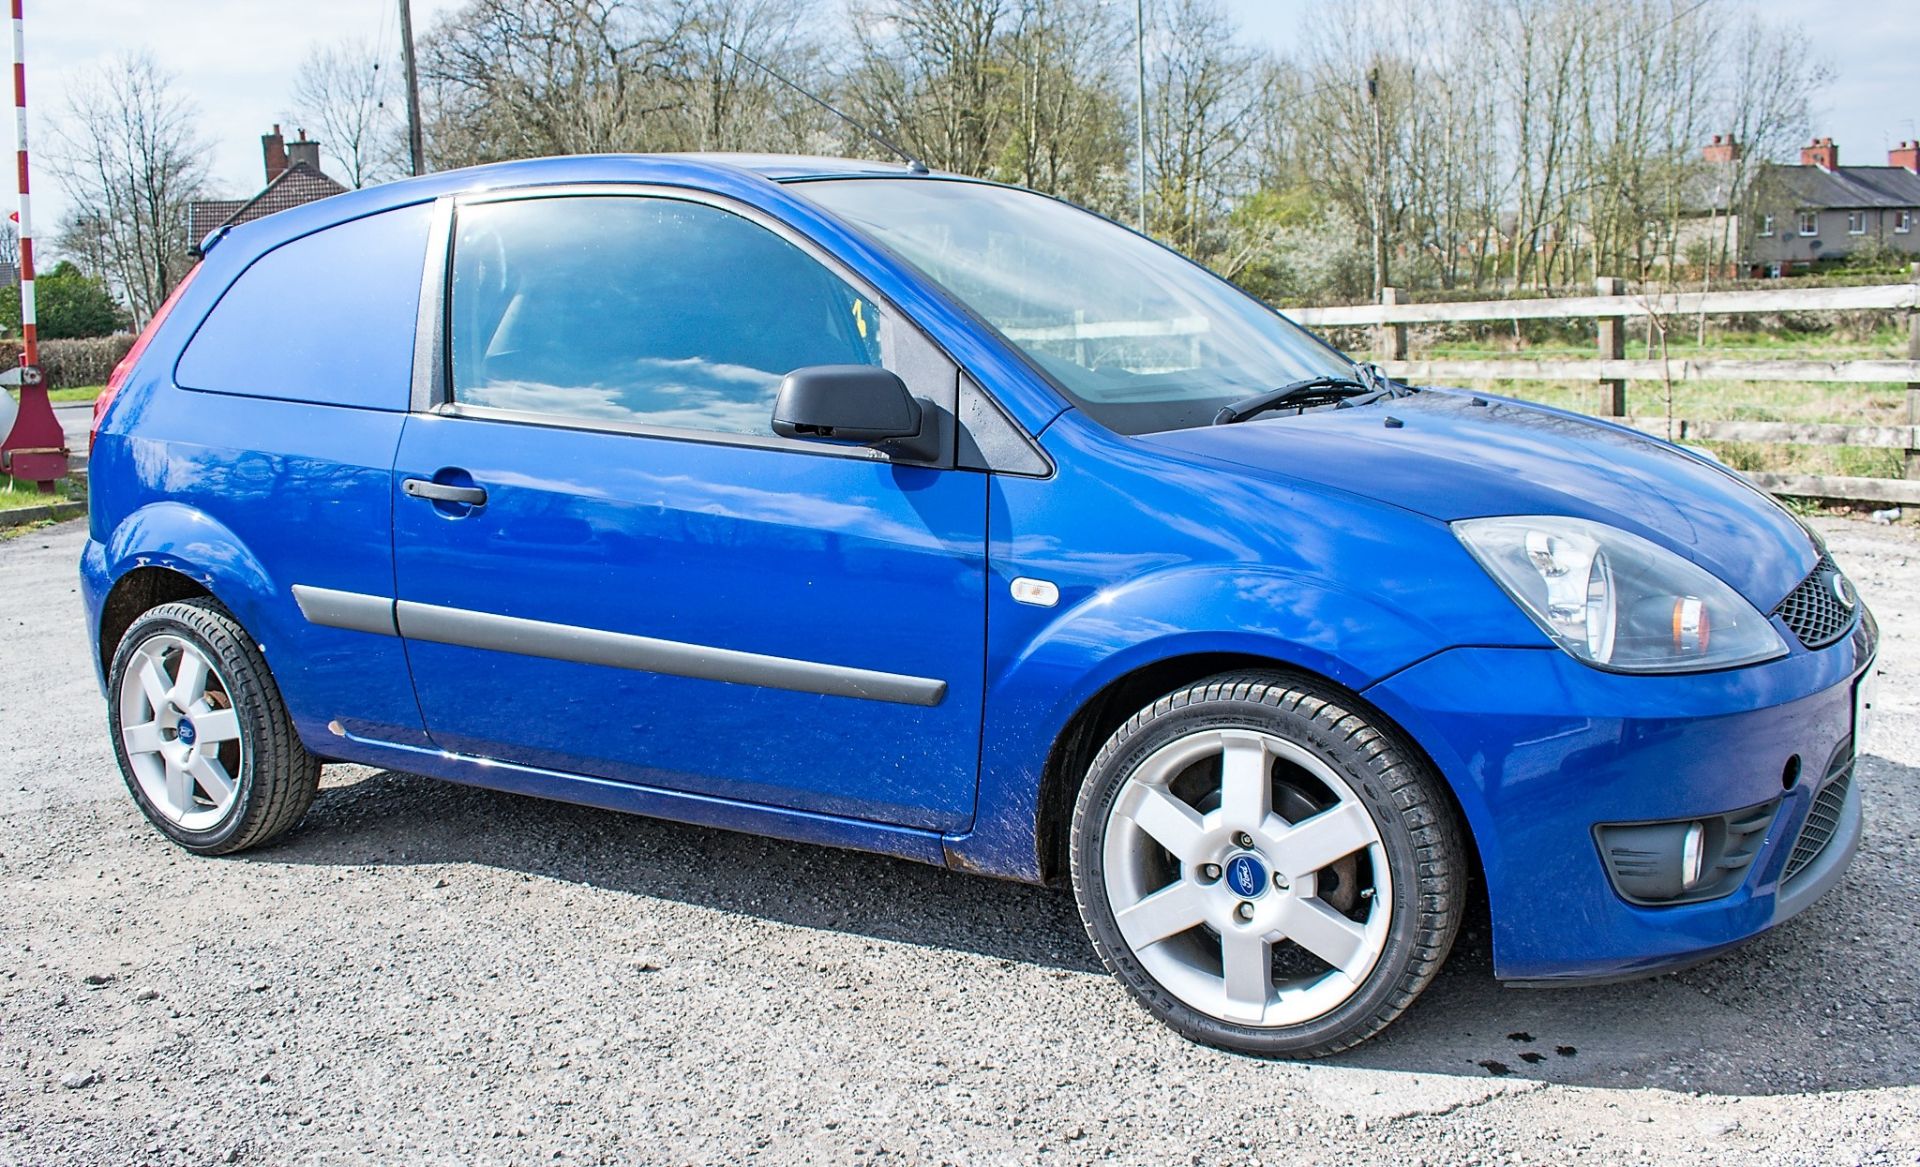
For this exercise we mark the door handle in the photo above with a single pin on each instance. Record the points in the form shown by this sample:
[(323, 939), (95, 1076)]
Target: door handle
[(472, 496)]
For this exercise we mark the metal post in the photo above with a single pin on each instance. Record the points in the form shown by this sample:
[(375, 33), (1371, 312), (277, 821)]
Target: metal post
[(414, 152), (1378, 165), (1140, 97), (1913, 387), (1390, 340), (1613, 347), (36, 450)]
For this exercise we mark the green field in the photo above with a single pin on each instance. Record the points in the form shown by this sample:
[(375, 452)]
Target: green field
[(1850, 404), (1884, 343)]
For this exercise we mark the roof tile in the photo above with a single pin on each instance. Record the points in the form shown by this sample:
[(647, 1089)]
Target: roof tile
[(296, 186)]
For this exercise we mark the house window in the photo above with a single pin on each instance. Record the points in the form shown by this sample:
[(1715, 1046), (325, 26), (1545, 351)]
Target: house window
[(1856, 222), (1809, 223), (1766, 226), (1902, 222)]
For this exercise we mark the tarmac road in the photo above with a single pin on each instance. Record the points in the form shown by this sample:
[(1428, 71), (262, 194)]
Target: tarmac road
[(424, 973)]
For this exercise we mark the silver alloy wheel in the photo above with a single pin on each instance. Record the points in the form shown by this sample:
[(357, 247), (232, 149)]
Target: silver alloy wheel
[(1204, 883), (181, 732)]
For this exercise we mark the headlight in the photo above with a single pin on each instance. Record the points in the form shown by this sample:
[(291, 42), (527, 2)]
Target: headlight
[(1616, 601)]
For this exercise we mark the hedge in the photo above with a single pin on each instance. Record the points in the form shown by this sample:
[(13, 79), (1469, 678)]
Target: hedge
[(69, 364)]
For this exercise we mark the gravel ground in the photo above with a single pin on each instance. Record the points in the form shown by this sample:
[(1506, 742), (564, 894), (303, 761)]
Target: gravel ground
[(424, 973)]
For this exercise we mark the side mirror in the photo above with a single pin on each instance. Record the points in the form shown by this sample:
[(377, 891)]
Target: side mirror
[(859, 404)]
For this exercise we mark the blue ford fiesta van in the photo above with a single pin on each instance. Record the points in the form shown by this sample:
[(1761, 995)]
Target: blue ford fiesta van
[(862, 506)]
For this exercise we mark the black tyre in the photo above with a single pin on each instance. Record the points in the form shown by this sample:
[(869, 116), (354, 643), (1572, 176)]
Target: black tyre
[(1265, 868), (201, 734)]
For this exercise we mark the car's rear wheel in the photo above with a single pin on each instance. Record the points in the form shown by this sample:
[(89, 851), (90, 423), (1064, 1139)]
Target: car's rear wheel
[(201, 733), (1265, 868)]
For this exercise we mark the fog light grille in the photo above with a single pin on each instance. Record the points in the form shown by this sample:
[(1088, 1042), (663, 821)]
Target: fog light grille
[(1646, 860), (1824, 819), (1816, 610)]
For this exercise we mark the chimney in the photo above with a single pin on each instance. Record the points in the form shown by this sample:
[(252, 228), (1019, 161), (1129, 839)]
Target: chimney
[(1906, 156), (301, 150), (275, 148), (1722, 149), (1822, 153)]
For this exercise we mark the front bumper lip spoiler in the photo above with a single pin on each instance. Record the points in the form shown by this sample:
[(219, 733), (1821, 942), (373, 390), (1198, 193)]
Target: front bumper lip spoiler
[(1816, 880)]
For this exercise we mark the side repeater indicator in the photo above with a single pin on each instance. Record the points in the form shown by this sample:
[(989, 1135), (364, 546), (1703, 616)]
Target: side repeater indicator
[(1038, 592)]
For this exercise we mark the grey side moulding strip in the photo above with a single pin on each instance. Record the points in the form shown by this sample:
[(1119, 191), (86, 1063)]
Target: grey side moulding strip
[(620, 650), (353, 610)]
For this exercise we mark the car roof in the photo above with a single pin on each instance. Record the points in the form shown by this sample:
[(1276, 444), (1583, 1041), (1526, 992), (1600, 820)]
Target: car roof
[(718, 171), (789, 166)]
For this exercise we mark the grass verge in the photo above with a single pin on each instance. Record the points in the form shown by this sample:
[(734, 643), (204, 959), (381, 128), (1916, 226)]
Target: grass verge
[(16, 495)]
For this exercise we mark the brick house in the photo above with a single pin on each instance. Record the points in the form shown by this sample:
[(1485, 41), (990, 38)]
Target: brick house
[(293, 177), (1819, 210)]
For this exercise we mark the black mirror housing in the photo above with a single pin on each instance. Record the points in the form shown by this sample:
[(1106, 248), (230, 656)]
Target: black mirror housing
[(858, 404)]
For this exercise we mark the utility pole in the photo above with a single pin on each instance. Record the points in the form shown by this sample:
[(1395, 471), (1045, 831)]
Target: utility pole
[(1379, 168), (414, 152), (1140, 97)]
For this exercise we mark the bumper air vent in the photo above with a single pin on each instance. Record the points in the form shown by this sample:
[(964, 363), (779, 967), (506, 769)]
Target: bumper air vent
[(1824, 819)]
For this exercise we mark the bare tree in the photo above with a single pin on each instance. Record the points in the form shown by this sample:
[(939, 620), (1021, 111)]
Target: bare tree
[(521, 78), (1770, 83), (1019, 90), (131, 161), (1067, 135), (931, 73), (1202, 91), (1359, 115), (351, 98), (734, 104)]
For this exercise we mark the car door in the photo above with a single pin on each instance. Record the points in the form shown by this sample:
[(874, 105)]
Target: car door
[(607, 563)]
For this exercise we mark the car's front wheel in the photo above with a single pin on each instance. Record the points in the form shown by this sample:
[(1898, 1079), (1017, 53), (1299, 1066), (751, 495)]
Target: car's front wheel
[(1264, 868), (201, 733)]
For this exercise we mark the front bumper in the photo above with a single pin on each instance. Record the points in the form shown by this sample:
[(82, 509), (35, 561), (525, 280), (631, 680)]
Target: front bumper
[(1539, 748)]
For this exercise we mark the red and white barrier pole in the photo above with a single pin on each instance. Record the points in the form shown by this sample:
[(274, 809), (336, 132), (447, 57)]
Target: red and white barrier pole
[(29, 329), (36, 449)]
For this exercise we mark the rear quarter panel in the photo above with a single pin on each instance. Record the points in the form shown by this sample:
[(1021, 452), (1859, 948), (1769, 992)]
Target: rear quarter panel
[(249, 495)]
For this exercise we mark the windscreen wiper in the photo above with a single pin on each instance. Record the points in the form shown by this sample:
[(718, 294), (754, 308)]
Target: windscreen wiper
[(1368, 385), (1302, 393)]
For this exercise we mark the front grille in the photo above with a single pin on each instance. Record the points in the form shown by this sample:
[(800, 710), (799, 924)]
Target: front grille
[(1821, 609), (1824, 819)]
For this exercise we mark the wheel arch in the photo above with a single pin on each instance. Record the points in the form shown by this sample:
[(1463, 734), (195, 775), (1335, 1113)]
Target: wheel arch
[(168, 551), (1107, 709), (136, 592)]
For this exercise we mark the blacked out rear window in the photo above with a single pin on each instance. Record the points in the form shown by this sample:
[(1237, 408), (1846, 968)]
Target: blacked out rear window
[(327, 318)]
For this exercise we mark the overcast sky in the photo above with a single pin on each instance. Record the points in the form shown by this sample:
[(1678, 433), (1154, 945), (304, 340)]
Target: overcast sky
[(235, 60)]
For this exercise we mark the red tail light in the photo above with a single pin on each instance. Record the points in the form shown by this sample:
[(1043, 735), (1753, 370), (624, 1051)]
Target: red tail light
[(124, 369)]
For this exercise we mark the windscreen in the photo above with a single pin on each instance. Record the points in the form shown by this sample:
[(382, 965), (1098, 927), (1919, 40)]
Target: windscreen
[(1141, 339)]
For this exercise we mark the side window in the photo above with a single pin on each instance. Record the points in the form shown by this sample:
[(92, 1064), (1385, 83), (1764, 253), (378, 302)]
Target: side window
[(328, 317), (640, 309)]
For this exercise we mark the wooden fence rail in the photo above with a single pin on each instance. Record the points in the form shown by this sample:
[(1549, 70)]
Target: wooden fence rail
[(1662, 303), (1611, 371)]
